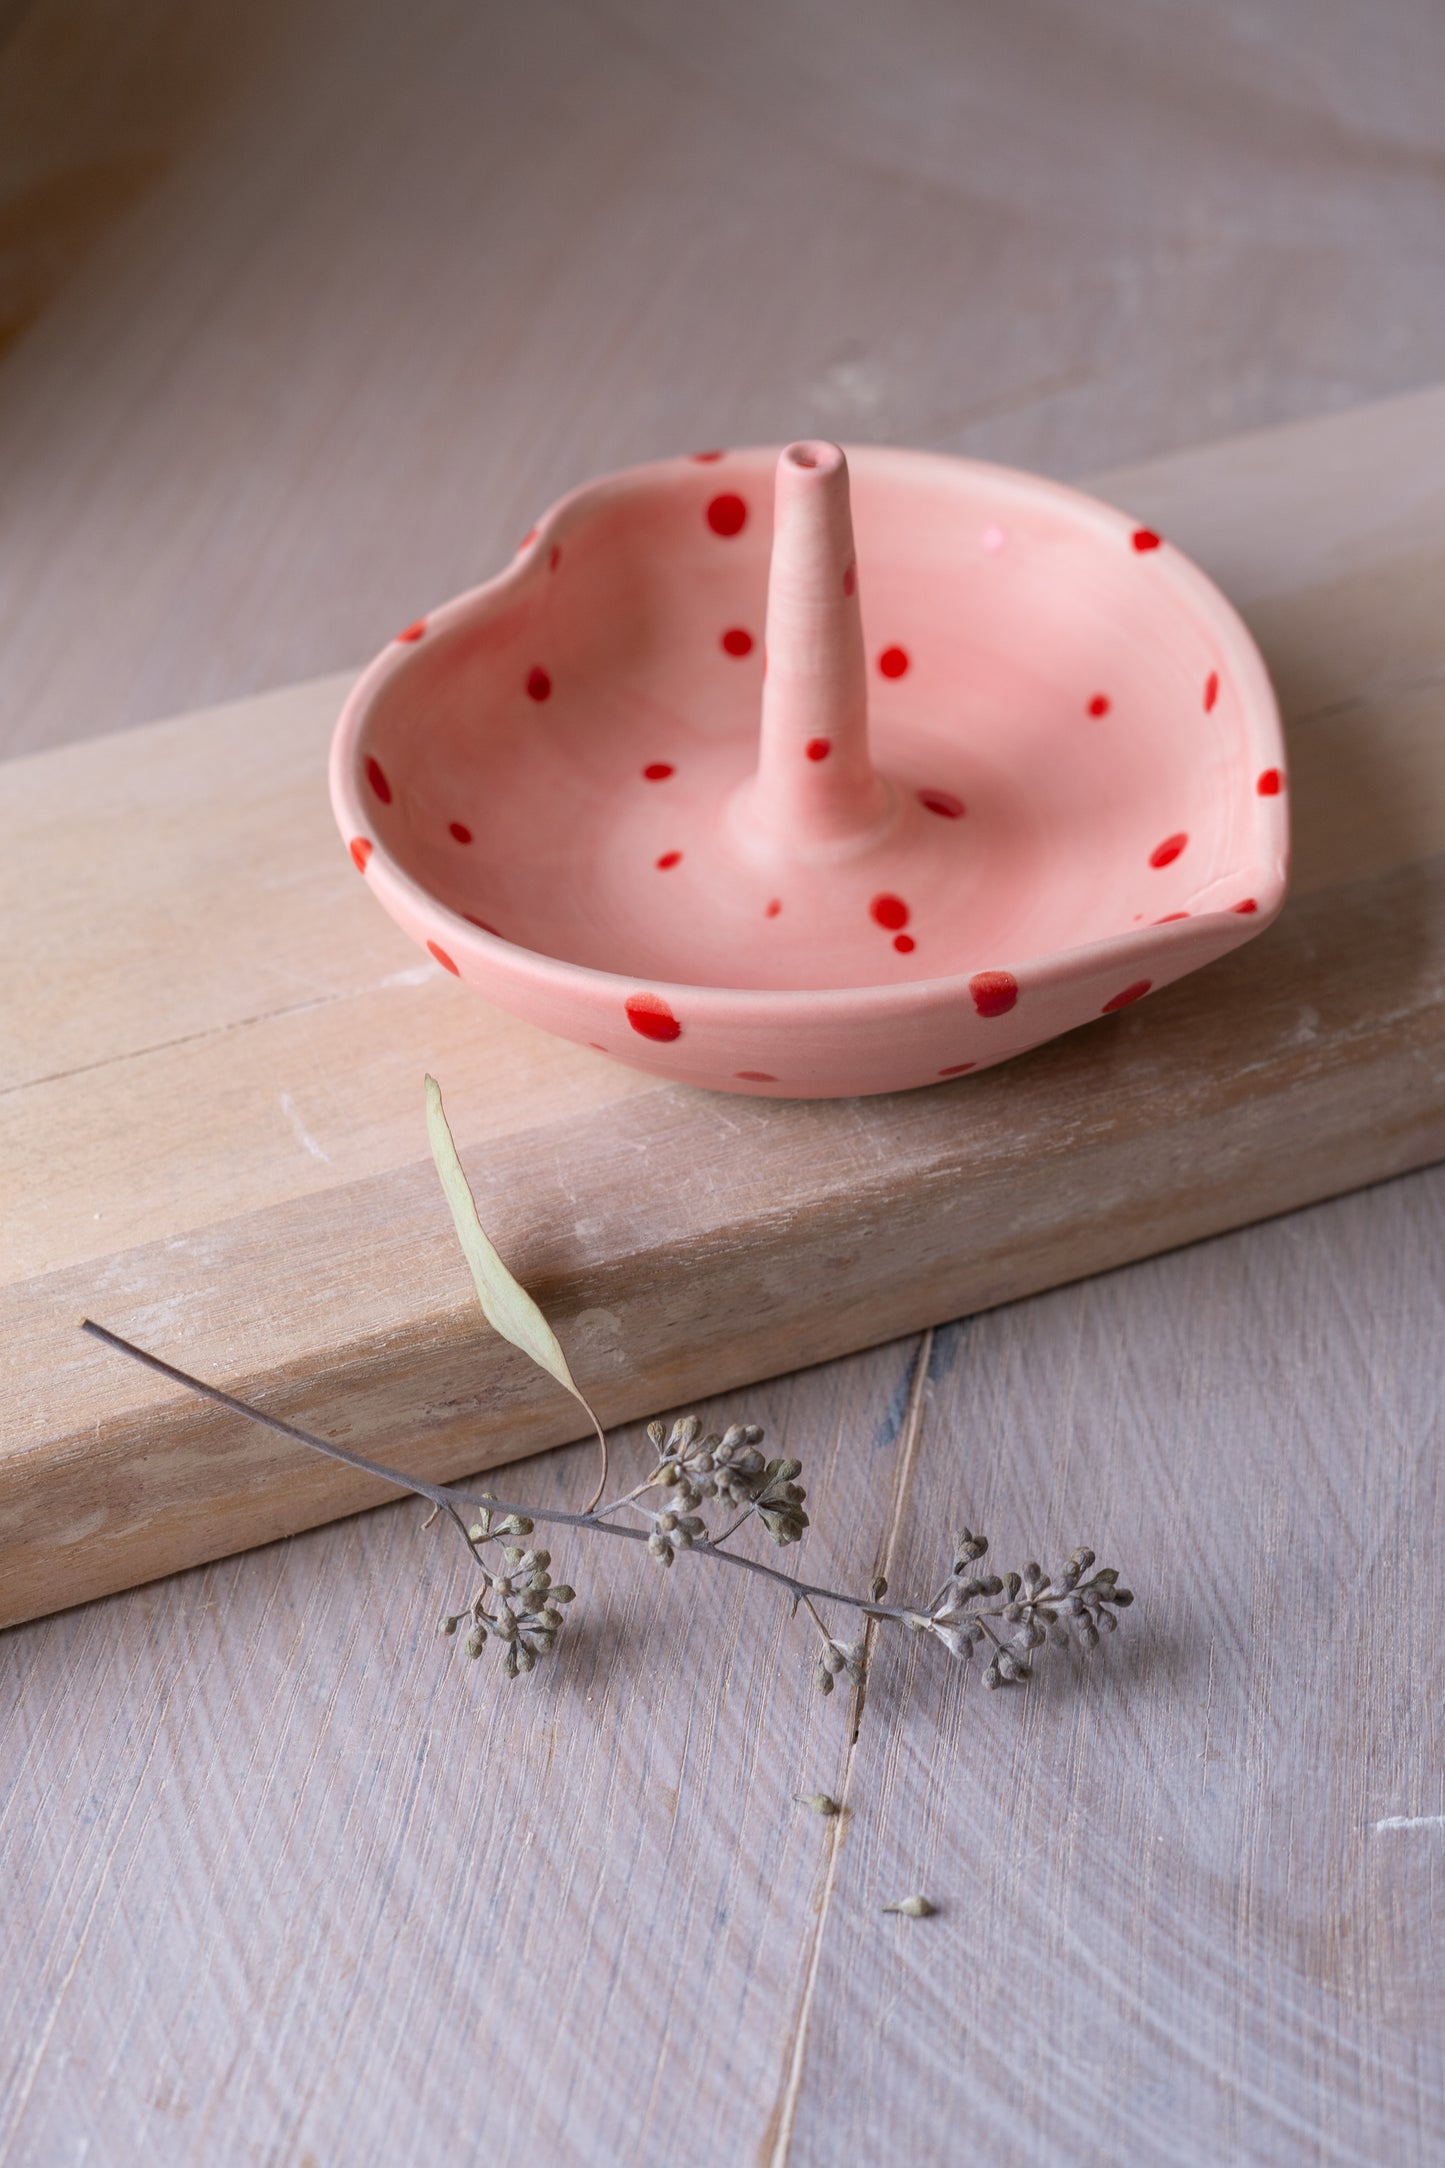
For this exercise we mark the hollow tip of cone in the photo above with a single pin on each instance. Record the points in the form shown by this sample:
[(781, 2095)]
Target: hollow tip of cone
[(813, 455)]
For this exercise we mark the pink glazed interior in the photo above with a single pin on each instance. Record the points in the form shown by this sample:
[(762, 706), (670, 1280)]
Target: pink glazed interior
[(549, 781)]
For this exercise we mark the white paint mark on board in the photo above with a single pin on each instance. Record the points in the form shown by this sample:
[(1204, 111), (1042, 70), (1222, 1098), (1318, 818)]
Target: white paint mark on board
[(303, 1134), (1412, 1821)]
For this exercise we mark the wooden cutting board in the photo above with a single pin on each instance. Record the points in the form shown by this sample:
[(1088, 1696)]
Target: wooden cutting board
[(211, 1131)]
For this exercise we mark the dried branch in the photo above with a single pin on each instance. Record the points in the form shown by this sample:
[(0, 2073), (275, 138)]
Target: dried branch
[(518, 1604)]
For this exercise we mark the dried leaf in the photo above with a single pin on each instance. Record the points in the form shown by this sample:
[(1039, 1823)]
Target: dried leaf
[(506, 1305)]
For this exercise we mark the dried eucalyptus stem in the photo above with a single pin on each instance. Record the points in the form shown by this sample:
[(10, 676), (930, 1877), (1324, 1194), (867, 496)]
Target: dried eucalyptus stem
[(517, 1603)]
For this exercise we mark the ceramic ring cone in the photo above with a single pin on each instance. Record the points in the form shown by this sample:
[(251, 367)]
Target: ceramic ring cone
[(815, 795), (579, 793)]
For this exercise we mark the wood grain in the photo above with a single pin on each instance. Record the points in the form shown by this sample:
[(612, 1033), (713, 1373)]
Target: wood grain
[(407, 273), (313, 307), (205, 1106), (302, 1884)]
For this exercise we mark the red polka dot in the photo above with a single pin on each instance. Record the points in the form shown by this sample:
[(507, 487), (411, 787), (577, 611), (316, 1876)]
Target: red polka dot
[(1165, 853), (539, 685), (668, 860), (1270, 784), (527, 540), (459, 833), (904, 943), (705, 459), (413, 632), (893, 661), (943, 803), (1169, 918), (1136, 992), (1249, 905), (361, 849), (1211, 691), (994, 992), (554, 557), (442, 958), (1144, 538), (658, 771), (818, 748), (482, 923), (890, 912), (727, 515), (774, 907), (737, 642), (376, 777), (1099, 705), (755, 1076), (958, 1068), (850, 580), (651, 1017)]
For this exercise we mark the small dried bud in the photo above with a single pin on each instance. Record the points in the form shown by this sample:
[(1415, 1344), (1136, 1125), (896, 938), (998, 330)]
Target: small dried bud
[(975, 1585), (475, 1642), (448, 1626), (657, 1432), (562, 1593), (820, 1802), (913, 1908), (877, 1588), (822, 1678), (851, 1653)]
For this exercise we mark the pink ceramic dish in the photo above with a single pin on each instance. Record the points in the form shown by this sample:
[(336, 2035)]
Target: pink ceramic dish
[(1010, 768)]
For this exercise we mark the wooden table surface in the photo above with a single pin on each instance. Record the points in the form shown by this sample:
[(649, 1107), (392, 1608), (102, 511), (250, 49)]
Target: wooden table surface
[(305, 310)]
